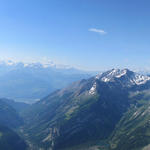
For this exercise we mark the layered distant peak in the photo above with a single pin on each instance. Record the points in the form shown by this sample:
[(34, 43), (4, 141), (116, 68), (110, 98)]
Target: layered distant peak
[(130, 77), (34, 64)]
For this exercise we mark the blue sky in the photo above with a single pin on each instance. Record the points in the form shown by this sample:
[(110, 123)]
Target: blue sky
[(88, 34)]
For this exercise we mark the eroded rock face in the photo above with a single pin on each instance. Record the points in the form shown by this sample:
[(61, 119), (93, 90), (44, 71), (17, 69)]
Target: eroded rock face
[(53, 134)]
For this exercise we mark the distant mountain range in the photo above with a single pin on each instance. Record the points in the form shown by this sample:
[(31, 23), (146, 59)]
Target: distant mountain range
[(30, 82), (107, 112)]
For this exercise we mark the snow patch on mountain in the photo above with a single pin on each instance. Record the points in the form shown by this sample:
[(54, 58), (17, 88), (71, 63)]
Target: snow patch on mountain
[(93, 89), (140, 79)]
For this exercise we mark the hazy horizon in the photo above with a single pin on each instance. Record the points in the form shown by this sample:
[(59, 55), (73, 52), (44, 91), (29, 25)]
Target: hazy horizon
[(89, 35)]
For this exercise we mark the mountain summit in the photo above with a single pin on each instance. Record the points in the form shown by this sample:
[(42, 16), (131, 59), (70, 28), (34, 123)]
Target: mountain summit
[(124, 78), (124, 74)]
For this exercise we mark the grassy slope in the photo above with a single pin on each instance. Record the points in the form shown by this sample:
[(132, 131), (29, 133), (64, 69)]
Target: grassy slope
[(133, 130)]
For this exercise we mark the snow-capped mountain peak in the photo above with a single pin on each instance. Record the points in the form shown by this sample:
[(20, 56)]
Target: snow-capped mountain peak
[(132, 77), (107, 76), (124, 78)]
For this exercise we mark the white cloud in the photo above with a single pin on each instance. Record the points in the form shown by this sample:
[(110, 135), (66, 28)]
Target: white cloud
[(100, 31)]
